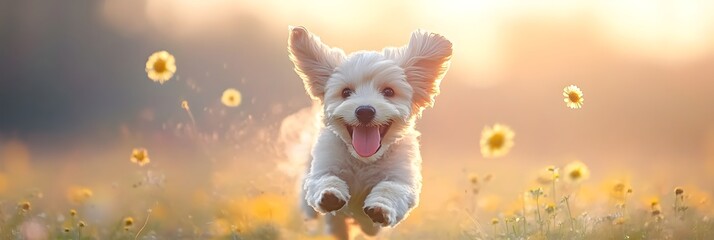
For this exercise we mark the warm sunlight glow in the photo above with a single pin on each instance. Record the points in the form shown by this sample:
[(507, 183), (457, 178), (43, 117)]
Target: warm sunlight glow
[(672, 31), (241, 127)]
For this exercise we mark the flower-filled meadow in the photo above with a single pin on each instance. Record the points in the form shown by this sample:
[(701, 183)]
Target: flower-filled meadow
[(180, 119)]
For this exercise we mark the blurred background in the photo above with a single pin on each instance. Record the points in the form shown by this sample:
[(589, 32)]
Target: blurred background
[(75, 100)]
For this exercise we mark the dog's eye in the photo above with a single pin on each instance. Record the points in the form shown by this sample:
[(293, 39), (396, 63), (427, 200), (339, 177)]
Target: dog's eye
[(347, 92), (388, 92)]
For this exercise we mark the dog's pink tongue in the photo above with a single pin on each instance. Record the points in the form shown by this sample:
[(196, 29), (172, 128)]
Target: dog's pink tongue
[(366, 140)]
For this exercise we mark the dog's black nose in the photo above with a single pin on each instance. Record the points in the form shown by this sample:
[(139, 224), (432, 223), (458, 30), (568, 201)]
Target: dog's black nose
[(365, 114)]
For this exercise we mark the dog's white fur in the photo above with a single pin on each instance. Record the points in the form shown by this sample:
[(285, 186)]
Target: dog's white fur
[(389, 181)]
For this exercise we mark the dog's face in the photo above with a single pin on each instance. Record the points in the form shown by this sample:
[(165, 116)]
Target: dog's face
[(371, 98), (367, 103)]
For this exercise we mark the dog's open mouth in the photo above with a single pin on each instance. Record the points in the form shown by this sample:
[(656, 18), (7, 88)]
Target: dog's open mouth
[(366, 140)]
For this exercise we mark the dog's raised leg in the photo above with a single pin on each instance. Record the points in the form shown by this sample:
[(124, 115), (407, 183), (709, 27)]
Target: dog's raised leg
[(326, 193), (390, 201), (308, 211)]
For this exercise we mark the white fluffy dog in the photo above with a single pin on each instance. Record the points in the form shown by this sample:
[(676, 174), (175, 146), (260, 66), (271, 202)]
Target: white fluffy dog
[(366, 163)]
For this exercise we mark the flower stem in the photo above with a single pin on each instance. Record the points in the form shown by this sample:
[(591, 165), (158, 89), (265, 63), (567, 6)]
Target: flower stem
[(514, 229), (540, 220), (555, 200), (525, 225), (570, 214), (148, 214)]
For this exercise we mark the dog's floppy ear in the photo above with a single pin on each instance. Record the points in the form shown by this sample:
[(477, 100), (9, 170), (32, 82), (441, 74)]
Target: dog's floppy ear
[(425, 61), (314, 61)]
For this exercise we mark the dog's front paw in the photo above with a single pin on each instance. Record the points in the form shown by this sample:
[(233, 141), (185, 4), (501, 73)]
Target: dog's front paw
[(326, 194), (381, 215), (329, 202)]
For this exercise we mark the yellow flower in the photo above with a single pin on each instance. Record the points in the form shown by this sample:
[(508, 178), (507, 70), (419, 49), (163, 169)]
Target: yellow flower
[(81, 224), (24, 206), (576, 172), (73, 212), (184, 104), (231, 97), (550, 208), (618, 221), (655, 207), (494, 221), (161, 66), (653, 202), (619, 192), (496, 141), (140, 156), (678, 191), (128, 222), (573, 96)]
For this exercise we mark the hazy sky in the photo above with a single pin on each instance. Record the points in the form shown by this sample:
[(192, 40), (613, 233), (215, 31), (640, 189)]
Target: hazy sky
[(76, 68)]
